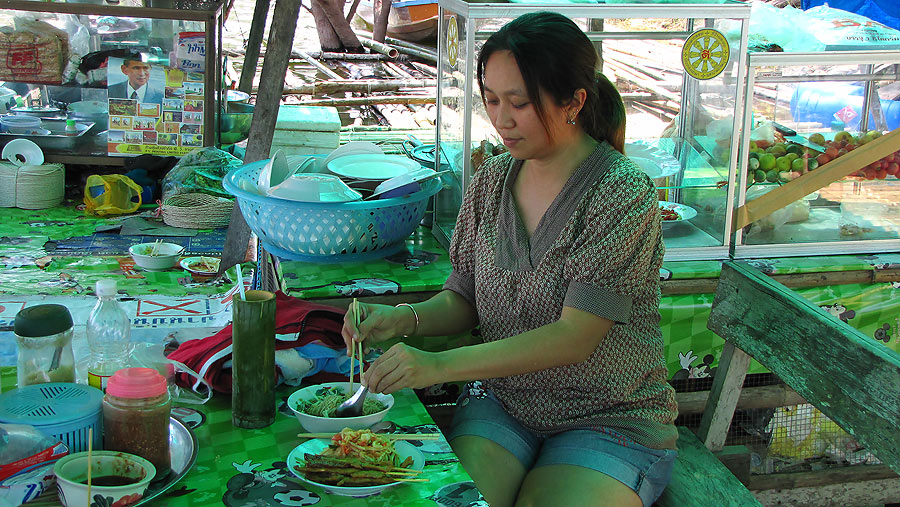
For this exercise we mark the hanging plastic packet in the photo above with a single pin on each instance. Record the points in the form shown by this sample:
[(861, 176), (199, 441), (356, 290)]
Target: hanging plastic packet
[(150, 355)]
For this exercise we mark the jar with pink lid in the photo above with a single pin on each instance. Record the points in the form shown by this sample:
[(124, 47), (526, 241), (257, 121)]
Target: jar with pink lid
[(136, 416)]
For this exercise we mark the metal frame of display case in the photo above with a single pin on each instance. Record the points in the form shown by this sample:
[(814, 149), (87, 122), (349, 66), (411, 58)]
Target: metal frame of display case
[(208, 13), (467, 39), (764, 60)]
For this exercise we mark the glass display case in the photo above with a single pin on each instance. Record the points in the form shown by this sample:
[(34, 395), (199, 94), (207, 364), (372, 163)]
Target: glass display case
[(77, 61), (804, 112), (681, 124)]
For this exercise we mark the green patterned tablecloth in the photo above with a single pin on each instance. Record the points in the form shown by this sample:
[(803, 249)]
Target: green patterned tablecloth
[(240, 467), (422, 267)]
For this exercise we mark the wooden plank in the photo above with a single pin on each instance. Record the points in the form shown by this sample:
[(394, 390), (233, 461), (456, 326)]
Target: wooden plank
[(865, 493), (778, 395), (723, 397), (825, 477), (838, 168), (848, 376), (700, 479)]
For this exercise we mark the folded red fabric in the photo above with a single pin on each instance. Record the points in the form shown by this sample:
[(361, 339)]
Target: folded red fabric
[(309, 322)]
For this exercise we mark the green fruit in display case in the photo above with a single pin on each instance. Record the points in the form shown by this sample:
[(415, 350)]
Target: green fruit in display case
[(783, 164), (759, 176), (772, 176), (777, 149), (766, 161), (753, 155), (792, 156), (795, 149), (811, 164), (753, 164), (817, 138), (798, 164), (843, 136)]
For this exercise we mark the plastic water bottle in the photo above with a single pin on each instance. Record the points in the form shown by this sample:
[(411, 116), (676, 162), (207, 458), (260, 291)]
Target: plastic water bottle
[(108, 330)]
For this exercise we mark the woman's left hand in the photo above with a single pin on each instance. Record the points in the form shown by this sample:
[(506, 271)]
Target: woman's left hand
[(402, 366)]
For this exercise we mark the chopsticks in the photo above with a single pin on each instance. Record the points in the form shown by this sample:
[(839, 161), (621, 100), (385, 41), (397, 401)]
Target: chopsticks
[(155, 250), (354, 307), (391, 436)]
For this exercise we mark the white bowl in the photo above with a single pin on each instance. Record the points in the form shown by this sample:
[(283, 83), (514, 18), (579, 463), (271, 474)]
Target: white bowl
[(71, 477), (167, 255), (316, 446), (314, 188), (315, 424)]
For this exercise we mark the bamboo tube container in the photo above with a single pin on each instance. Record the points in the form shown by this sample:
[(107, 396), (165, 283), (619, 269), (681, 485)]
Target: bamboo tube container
[(253, 360)]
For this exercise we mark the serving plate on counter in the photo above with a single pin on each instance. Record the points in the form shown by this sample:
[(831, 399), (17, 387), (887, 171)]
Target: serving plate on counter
[(56, 139)]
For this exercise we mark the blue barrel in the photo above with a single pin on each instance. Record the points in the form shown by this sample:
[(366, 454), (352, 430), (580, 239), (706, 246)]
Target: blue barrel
[(817, 102)]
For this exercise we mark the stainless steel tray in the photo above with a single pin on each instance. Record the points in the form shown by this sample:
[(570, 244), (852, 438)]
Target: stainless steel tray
[(58, 139), (183, 452)]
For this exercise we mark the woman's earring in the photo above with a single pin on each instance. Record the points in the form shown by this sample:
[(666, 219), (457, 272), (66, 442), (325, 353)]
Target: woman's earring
[(571, 121)]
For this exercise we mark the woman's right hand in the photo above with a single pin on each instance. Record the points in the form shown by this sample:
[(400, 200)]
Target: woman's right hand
[(377, 323)]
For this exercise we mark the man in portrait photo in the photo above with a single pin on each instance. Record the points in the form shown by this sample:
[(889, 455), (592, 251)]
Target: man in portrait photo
[(137, 84)]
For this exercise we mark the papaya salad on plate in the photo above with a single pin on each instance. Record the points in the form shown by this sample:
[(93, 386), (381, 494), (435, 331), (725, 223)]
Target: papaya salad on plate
[(356, 463)]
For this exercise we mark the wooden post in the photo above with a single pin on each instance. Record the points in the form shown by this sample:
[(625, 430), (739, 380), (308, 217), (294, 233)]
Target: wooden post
[(251, 56), (382, 10), (268, 100)]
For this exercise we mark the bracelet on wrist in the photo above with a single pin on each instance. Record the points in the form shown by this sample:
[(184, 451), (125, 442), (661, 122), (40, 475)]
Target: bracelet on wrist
[(415, 314)]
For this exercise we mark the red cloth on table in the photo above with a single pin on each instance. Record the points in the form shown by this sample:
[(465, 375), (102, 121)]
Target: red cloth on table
[(310, 322)]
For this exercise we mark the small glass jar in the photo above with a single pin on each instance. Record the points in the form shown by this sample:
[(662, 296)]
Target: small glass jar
[(136, 411), (44, 340)]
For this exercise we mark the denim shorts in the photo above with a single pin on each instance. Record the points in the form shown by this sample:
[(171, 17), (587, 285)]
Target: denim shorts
[(646, 471)]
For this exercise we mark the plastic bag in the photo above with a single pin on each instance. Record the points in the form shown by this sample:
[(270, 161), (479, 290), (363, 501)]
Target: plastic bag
[(150, 355), (796, 211), (111, 194), (836, 29), (26, 462), (200, 171)]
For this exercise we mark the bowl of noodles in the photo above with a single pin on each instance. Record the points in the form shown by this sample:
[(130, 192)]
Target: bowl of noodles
[(314, 407), (356, 463)]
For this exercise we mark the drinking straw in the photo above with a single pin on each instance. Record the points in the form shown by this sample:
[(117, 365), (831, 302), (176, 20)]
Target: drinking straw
[(90, 452), (240, 281)]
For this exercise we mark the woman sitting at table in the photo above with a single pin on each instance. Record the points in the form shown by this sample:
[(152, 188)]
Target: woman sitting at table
[(556, 256)]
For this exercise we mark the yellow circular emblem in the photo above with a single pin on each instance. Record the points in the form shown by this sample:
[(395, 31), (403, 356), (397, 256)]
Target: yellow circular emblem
[(452, 41), (705, 54)]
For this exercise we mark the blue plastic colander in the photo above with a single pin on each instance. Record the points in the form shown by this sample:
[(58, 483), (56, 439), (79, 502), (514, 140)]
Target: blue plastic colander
[(61, 410), (328, 231)]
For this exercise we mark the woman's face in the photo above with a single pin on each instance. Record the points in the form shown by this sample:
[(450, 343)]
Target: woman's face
[(511, 112)]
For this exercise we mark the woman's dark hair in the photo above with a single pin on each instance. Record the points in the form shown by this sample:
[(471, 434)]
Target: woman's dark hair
[(555, 56)]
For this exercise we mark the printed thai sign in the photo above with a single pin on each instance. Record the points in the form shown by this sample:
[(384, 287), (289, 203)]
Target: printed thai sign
[(154, 109)]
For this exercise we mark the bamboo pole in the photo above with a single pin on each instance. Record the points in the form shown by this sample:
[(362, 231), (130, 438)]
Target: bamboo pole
[(362, 86), (318, 65), (399, 43), (347, 56), (367, 101), (378, 46)]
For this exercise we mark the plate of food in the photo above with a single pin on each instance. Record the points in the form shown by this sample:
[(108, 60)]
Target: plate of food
[(356, 463), (674, 213), (314, 406), (201, 265)]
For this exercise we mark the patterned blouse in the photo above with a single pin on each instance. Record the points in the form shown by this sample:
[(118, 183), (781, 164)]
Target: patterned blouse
[(598, 248)]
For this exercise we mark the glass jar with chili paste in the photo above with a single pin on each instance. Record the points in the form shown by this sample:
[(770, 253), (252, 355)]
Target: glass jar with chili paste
[(136, 416)]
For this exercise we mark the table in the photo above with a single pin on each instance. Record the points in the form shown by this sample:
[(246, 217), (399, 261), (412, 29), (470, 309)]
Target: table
[(238, 467)]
